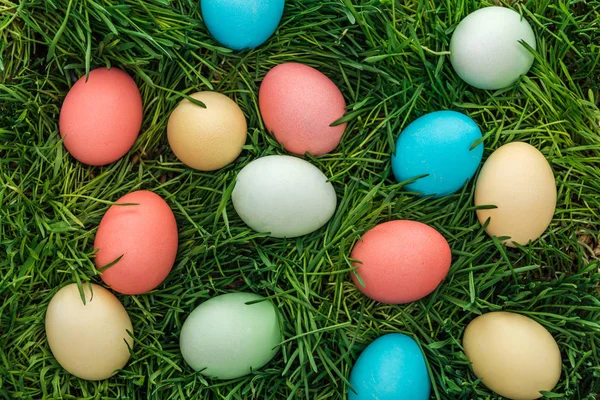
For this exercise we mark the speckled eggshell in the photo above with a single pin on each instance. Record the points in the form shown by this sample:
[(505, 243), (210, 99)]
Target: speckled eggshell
[(89, 340), (298, 104), (438, 145), (485, 48), (392, 367), (145, 235), (514, 355), (208, 138), (401, 261), (226, 338), (242, 24), (101, 116), (517, 179)]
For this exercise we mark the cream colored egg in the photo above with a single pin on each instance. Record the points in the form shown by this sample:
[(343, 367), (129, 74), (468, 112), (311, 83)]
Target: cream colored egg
[(519, 181), (514, 355), (208, 138), (89, 340)]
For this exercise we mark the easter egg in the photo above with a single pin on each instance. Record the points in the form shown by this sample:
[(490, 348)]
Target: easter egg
[(514, 356), (90, 340), (208, 138), (437, 145), (225, 337), (400, 261), (101, 117), (298, 105), (486, 50), (391, 368), (284, 196), (241, 24), (518, 180), (138, 236)]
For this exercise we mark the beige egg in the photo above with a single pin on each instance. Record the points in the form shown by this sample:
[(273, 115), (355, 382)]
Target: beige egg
[(515, 356), (88, 340), (519, 181), (208, 138)]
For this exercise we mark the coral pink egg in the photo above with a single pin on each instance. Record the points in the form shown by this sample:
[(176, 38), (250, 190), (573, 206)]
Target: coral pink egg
[(101, 117), (298, 104), (402, 261), (145, 235)]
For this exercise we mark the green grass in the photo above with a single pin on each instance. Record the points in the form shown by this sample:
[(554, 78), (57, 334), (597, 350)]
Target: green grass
[(390, 60)]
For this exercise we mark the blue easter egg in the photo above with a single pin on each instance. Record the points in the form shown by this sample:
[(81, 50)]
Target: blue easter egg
[(391, 368), (437, 145), (241, 24)]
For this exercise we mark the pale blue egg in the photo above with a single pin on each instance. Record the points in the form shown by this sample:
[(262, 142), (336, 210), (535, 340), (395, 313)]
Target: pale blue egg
[(391, 368), (241, 24), (438, 145)]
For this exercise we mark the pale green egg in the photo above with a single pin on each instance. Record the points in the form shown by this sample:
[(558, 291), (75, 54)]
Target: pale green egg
[(226, 338), (486, 49)]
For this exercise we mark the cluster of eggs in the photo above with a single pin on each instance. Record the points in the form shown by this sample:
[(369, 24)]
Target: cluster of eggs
[(285, 197), (515, 199)]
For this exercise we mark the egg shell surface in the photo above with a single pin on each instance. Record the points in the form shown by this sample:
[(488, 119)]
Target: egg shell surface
[(400, 261), (298, 104), (208, 138), (485, 48), (283, 195), (225, 338), (88, 340), (392, 367), (241, 24), (514, 355), (519, 181), (145, 235), (438, 145), (101, 117)]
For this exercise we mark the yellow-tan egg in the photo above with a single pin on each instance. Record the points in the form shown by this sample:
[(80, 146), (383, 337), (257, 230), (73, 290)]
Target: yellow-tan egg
[(89, 340), (514, 355), (518, 180), (207, 138)]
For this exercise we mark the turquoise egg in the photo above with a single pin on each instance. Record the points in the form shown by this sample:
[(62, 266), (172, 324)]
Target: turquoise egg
[(241, 24), (438, 145), (391, 368)]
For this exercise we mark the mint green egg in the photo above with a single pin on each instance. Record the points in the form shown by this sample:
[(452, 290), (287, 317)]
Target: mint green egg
[(225, 338)]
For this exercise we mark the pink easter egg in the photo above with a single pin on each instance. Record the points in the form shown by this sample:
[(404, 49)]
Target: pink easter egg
[(298, 105)]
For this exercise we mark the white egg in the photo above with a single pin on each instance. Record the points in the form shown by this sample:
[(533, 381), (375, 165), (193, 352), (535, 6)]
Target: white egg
[(486, 51), (283, 195)]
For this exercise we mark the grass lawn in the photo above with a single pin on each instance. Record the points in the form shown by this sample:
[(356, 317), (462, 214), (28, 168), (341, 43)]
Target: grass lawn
[(390, 60)]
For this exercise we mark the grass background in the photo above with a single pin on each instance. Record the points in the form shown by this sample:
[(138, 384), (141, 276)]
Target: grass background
[(390, 60)]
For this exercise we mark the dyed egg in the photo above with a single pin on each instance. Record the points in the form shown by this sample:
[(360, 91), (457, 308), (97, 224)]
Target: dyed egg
[(243, 24), (513, 355), (391, 368), (90, 340), (485, 48), (207, 138), (101, 116), (518, 180), (226, 338), (140, 239), (400, 261), (284, 196), (298, 105), (438, 145)]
